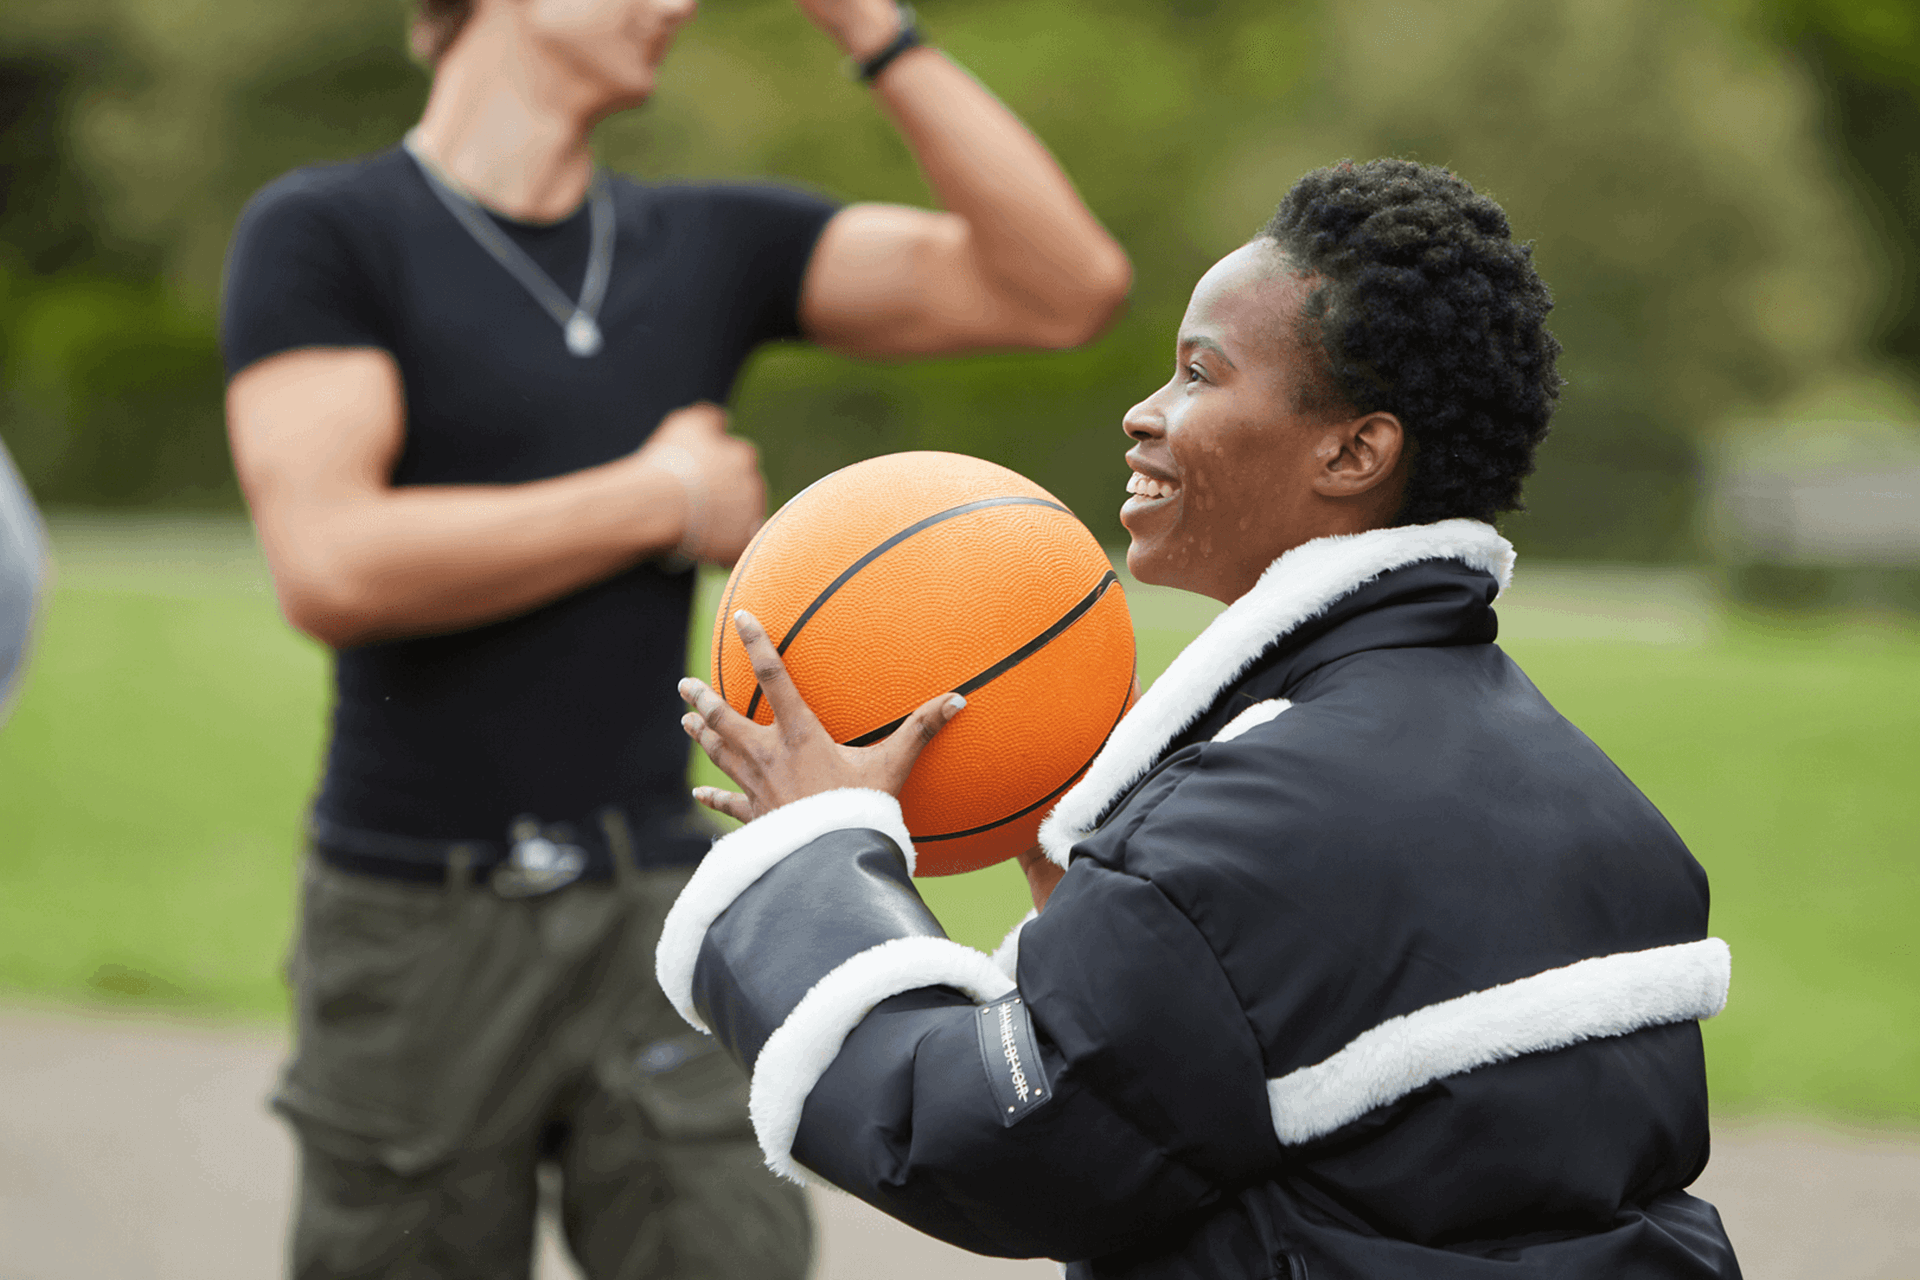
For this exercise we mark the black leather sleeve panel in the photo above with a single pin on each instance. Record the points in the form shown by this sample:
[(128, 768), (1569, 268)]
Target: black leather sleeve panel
[(1158, 1103), (826, 901)]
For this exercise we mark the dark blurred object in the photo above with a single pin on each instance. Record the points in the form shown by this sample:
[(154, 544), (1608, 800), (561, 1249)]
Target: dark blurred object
[(47, 215), (23, 571), (112, 379), (112, 389)]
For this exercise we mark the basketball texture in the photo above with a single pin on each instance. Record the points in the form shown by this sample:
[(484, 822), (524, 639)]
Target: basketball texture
[(914, 574)]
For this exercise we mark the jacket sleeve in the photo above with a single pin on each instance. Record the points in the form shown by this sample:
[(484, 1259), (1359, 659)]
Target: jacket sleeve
[(1116, 1090)]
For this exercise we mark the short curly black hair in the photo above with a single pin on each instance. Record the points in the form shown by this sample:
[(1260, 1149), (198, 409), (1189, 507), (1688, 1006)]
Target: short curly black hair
[(1427, 309)]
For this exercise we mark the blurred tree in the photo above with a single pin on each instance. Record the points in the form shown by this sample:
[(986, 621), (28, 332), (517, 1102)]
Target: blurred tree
[(130, 133), (47, 222), (101, 374), (1669, 171), (1866, 56)]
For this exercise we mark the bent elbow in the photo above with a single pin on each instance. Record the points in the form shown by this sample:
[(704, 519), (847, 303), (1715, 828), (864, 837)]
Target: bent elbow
[(1099, 297), (1111, 282), (328, 608)]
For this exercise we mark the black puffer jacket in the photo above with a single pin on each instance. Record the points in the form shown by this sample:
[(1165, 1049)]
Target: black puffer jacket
[(1366, 964)]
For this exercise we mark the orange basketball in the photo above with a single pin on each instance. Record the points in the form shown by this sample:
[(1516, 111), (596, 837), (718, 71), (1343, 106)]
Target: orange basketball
[(914, 574)]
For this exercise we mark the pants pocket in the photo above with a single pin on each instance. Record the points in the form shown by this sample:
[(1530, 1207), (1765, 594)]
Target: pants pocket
[(372, 962), (686, 1088)]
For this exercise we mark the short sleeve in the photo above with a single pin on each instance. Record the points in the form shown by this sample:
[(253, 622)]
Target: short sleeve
[(780, 225), (295, 278)]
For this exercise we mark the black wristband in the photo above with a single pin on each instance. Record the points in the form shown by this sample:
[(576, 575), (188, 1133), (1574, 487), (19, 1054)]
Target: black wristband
[(907, 38)]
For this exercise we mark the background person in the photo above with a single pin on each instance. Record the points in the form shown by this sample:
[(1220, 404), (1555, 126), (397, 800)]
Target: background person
[(1365, 962), (455, 370)]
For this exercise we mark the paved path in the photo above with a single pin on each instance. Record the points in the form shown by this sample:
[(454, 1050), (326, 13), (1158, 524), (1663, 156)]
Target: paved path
[(138, 1150)]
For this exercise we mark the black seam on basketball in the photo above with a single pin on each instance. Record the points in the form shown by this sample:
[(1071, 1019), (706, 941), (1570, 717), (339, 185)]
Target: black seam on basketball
[(938, 517), (1054, 795), (1012, 660)]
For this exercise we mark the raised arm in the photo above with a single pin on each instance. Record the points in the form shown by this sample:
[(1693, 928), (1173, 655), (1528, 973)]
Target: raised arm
[(315, 434), (1015, 260)]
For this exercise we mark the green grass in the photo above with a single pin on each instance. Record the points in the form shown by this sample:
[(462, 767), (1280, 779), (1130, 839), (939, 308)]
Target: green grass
[(1788, 764), (152, 777), (150, 787)]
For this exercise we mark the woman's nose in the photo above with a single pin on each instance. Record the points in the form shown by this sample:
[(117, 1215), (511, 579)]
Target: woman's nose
[(1143, 421)]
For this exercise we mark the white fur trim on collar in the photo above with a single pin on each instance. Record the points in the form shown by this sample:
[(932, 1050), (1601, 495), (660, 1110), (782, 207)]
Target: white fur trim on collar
[(1590, 1000), (741, 857), (1252, 718), (801, 1049), (1298, 586)]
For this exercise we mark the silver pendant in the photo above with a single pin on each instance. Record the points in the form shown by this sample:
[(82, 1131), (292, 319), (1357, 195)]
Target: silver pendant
[(583, 335)]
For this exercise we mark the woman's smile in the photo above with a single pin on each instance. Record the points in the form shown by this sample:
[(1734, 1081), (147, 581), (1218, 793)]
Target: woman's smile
[(1148, 491)]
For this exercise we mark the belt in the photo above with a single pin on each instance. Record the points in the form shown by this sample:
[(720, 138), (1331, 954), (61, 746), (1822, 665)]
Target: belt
[(535, 858)]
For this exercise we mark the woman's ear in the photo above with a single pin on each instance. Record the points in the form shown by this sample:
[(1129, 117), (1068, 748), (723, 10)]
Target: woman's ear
[(1359, 455)]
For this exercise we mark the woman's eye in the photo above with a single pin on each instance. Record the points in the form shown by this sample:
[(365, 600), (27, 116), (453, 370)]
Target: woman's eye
[(1195, 373)]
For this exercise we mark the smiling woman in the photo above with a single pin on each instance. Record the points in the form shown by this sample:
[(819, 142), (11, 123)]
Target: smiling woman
[(1351, 955), (1236, 462), (1384, 338)]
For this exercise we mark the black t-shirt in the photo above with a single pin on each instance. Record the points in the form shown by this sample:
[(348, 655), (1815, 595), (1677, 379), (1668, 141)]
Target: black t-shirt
[(572, 707)]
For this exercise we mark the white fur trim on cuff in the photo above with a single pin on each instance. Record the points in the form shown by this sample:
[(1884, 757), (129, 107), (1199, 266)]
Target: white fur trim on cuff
[(1298, 586), (1590, 1000), (1252, 718), (801, 1049), (1006, 956), (741, 857)]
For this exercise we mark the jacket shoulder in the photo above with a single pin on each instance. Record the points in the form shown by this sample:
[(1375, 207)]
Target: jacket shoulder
[(1418, 825)]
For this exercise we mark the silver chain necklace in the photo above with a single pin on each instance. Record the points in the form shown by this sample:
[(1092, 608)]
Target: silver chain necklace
[(579, 321)]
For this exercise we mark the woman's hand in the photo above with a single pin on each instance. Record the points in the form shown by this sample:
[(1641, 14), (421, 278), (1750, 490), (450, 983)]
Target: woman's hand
[(794, 757)]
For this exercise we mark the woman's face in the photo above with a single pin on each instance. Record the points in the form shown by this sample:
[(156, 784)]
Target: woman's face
[(614, 46), (1224, 465)]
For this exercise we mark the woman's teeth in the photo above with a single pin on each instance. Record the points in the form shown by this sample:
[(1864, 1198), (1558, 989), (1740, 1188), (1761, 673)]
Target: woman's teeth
[(1148, 487)]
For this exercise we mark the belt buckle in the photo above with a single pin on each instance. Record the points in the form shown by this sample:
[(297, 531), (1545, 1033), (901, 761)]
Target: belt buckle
[(536, 864)]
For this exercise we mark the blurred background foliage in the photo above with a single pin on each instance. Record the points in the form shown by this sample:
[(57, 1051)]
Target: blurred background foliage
[(1724, 194)]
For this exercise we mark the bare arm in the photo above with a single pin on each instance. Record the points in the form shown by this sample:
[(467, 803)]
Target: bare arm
[(315, 434), (1016, 259)]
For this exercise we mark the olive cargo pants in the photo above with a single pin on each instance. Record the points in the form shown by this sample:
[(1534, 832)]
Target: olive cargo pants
[(449, 1041)]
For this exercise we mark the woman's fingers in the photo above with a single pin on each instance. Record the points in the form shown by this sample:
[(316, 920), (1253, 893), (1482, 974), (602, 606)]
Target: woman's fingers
[(723, 733), (905, 744), (714, 709), (732, 761), (731, 803), (791, 714), (796, 757)]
